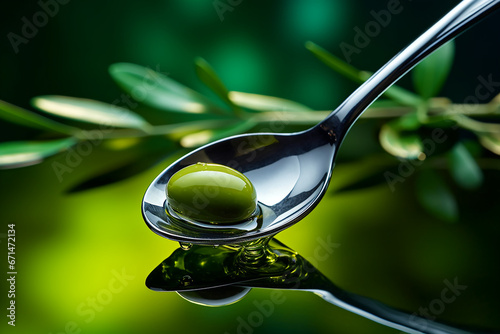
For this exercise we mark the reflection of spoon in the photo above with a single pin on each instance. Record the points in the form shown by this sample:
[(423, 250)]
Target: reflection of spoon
[(309, 155), (315, 282), (203, 267), (221, 296), (213, 297), (203, 275)]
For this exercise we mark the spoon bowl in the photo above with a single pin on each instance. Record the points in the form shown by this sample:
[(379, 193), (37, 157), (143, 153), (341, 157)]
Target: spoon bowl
[(291, 172), (289, 178)]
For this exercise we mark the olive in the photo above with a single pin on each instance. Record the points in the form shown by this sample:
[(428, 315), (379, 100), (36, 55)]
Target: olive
[(211, 193)]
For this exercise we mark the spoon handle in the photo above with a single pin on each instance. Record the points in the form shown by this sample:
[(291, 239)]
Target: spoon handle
[(464, 15), (385, 315), (373, 309), (312, 280)]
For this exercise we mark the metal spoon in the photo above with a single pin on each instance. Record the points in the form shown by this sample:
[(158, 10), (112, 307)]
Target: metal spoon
[(291, 172), (208, 276)]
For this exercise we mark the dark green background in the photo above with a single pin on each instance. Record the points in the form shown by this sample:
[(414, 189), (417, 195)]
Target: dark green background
[(70, 246)]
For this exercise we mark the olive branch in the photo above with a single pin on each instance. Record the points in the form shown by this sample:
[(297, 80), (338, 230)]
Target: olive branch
[(156, 117)]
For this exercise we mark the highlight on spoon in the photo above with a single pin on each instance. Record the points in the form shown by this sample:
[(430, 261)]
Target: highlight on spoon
[(221, 296)]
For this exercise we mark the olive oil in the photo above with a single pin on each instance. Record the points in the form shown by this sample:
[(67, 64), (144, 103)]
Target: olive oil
[(202, 267)]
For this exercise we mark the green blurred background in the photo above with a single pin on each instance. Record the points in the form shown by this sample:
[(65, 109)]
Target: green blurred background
[(71, 247)]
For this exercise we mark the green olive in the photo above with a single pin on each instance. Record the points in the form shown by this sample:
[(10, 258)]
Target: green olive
[(211, 193)]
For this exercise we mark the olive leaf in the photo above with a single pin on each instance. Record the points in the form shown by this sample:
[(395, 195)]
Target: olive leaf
[(210, 78), (371, 178), (476, 126), (176, 132), (144, 153), (25, 153), (90, 111), (264, 102), (394, 92), (435, 196), (430, 75), (408, 122), (123, 172), (206, 136), (336, 63), (158, 91), (401, 95), (385, 108), (15, 114), (395, 141), (490, 141), (464, 168)]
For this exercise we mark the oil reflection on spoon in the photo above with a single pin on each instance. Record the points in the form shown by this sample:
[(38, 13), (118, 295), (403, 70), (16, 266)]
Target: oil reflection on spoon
[(218, 276)]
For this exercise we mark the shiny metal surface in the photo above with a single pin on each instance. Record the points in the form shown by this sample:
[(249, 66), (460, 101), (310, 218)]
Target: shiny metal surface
[(185, 272), (291, 171)]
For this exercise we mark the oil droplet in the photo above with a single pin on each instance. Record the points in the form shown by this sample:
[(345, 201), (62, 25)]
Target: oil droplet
[(186, 280), (185, 245)]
